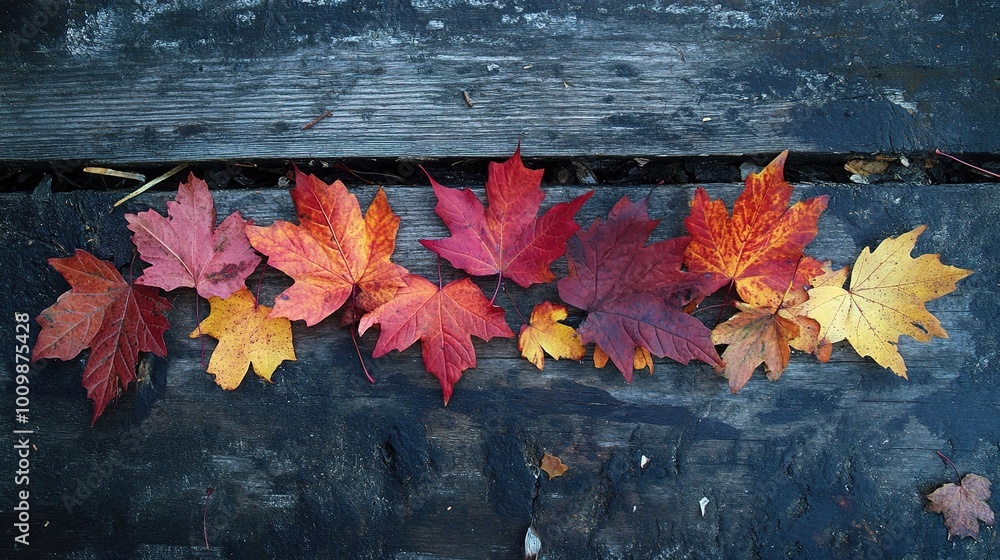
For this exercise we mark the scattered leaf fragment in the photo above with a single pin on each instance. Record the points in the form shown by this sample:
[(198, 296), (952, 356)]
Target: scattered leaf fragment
[(634, 293), (532, 544), (553, 466), (703, 503), (333, 253), (185, 248), (963, 505), (886, 299), (760, 247), (103, 312), (246, 336), (643, 461), (544, 333), (506, 237), (443, 320), (867, 167)]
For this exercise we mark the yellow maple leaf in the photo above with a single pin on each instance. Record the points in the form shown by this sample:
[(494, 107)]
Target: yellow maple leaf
[(545, 333), (886, 299), (245, 336)]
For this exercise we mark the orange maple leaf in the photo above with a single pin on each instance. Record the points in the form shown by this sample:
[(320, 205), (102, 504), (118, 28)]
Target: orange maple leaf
[(765, 333), (333, 253), (760, 247), (443, 320), (544, 333)]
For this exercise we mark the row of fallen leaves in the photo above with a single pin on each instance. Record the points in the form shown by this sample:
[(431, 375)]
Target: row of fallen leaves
[(638, 297)]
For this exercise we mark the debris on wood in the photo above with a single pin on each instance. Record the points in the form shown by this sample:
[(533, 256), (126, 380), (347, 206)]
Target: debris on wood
[(115, 173), (151, 184), (532, 544), (553, 466)]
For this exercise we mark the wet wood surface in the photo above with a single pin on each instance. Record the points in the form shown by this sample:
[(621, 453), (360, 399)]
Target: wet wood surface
[(830, 461), (117, 81)]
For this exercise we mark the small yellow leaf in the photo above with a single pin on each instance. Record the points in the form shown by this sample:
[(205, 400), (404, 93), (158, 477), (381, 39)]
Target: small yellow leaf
[(553, 466), (886, 299), (545, 332), (642, 359), (245, 336)]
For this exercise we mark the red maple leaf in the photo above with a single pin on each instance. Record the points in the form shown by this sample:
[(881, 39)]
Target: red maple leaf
[(105, 313), (634, 293), (186, 249), (443, 320), (506, 238), (333, 253), (760, 247)]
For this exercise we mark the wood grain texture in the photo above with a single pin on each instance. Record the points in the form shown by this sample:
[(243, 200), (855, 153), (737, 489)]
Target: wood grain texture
[(141, 81), (828, 462)]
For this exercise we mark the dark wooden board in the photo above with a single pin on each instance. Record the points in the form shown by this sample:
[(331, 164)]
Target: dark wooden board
[(126, 81), (830, 461)]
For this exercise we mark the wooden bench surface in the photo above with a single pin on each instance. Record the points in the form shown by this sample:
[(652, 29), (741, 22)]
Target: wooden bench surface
[(830, 461), (124, 81)]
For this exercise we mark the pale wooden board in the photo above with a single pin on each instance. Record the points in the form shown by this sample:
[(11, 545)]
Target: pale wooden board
[(117, 81), (830, 461)]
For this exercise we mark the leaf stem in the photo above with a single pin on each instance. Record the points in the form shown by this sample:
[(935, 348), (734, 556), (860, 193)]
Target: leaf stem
[(439, 272), (979, 169), (513, 303), (361, 359), (260, 281), (497, 291), (204, 518), (953, 467)]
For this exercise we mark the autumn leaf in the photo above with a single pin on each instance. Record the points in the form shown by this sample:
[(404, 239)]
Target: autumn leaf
[(506, 238), (641, 360), (186, 249), (634, 293), (553, 466), (544, 333), (760, 246), (443, 320), (105, 313), (333, 253), (886, 299), (963, 505), (246, 336), (764, 333)]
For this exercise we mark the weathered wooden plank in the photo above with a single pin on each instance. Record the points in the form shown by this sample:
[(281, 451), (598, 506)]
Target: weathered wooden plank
[(123, 81), (830, 461)]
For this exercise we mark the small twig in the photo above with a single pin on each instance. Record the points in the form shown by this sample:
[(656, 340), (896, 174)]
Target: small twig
[(953, 467), (204, 518), (979, 169), (152, 183), (115, 173), (467, 99), (312, 123)]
